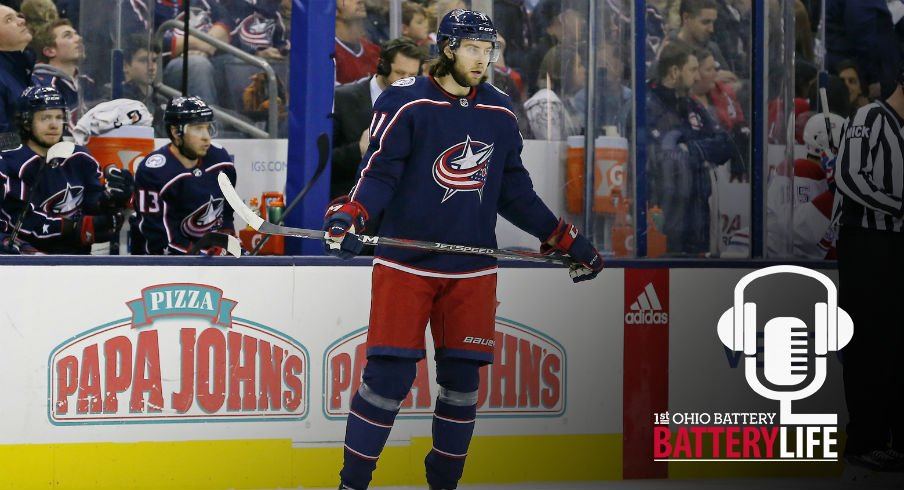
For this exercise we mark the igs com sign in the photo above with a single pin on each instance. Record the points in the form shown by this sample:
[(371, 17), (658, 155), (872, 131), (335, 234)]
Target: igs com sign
[(526, 379), (181, 357)]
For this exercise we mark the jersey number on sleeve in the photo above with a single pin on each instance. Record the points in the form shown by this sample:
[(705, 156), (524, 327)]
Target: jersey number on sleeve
[(376, 124), (148, 201)]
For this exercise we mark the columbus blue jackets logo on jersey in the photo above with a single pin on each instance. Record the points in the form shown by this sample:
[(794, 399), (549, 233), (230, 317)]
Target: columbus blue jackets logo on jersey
[(463, 167), (695, 120), (256, 31), (65, 202), (205, 219)]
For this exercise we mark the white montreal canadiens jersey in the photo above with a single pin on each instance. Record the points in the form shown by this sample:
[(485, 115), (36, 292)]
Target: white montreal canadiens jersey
[(440, 167)]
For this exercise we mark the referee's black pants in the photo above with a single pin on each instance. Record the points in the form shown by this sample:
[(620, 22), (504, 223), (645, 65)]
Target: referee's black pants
[(871, 283)]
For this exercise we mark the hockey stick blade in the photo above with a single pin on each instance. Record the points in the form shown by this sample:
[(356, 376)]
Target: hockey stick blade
[(60, 151), (233, 246), (262, 226), (228, 242)]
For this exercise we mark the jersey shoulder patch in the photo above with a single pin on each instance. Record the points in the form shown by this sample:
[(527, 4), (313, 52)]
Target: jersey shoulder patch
[(404, 82), (155, 161)]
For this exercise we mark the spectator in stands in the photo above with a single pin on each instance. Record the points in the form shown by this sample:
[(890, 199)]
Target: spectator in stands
[(376, 24), (139, 71), (508, 80), (698, 19), (552, 117), (356, 57), (399, 58), (849, 72), (60, 51), (505, 77), (15, 71), (204, 61), (556, 21), (439, 8), (723, 106), (260, 29), (511, 20), (38, 13), (414, 22), (862, 30), (837, 94), (803, 34), (614, 97), (655, 30), (732, 33), (683, 142)]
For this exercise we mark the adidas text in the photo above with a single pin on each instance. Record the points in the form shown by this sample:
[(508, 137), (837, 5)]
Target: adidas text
[(646, 318)]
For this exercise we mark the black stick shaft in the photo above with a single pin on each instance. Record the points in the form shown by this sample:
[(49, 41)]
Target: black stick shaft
[(186, 10), (323, 147)]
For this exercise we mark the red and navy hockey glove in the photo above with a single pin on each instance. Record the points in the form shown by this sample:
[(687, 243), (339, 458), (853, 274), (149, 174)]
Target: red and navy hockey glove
[(567, 240), (342, 221), (94, 229)]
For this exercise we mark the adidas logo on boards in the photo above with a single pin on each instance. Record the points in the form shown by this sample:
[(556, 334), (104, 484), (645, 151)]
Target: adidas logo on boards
[(646, 309)]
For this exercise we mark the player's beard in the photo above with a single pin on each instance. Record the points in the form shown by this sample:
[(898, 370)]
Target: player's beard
[(44, 142), (190, 154), (462, 78)]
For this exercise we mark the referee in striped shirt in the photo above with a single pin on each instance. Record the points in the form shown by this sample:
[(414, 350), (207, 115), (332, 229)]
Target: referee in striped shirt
[(870, 178)]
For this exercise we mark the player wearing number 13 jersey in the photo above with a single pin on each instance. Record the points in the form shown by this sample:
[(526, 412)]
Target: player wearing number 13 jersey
[(177, 198)]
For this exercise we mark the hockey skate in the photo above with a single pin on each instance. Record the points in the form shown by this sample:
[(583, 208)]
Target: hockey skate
[(877, 469)]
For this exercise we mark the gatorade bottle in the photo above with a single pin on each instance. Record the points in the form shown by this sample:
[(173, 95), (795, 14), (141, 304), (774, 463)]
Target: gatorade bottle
[(622, 230), (656, 239), (275, 210)]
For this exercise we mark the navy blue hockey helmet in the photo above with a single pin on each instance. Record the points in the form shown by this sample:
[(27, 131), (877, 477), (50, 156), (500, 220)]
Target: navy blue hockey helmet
[(187, 110), (467, 24), (35, 99), (181, 111)]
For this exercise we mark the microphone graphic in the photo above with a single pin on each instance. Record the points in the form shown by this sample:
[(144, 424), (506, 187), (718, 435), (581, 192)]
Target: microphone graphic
[(786, 363), (785, 344)]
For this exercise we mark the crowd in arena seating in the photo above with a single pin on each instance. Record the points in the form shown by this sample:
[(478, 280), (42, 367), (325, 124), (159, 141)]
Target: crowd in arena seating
[(697, 77)]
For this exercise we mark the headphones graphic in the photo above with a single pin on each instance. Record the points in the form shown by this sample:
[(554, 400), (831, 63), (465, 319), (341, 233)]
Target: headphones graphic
[(834, 328), (388, 51)]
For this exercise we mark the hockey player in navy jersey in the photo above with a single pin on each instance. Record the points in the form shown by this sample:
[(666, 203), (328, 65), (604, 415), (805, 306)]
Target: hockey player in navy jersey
[(444, 160), (177, 199), (57, 207)]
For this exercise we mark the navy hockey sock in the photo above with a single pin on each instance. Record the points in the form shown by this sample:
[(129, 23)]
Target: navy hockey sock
[(452, 429), (373, 411), (365, 435), (453, 420)]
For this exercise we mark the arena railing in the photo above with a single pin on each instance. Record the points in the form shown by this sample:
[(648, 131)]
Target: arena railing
[(219, 112)]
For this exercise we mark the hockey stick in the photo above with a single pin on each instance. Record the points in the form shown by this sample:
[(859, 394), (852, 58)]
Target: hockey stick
[(262, 226), (227, 242), (56, 154), (323, 148), (824, 101)]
